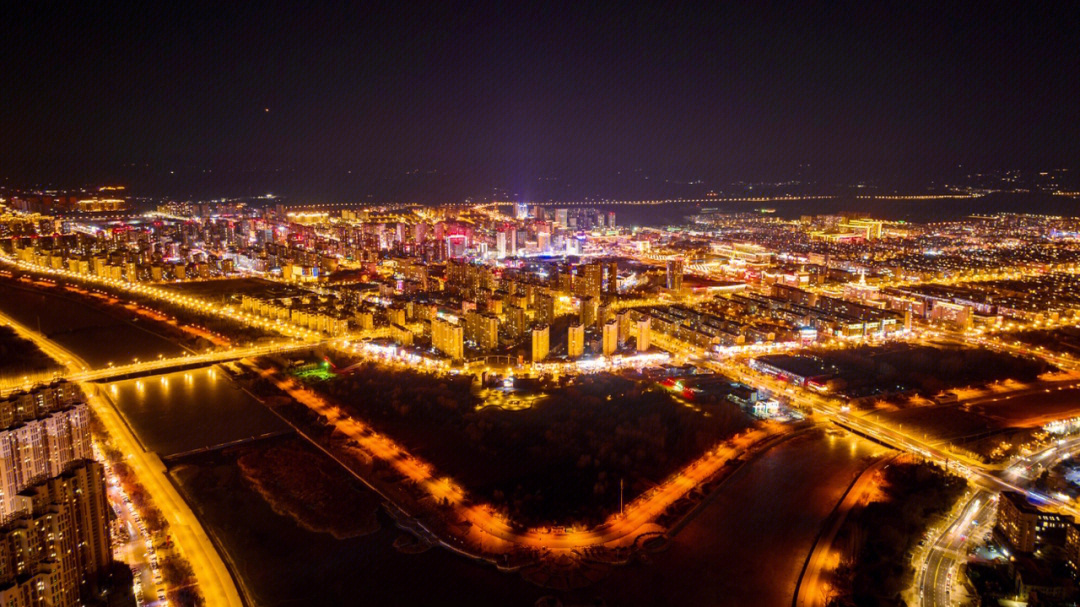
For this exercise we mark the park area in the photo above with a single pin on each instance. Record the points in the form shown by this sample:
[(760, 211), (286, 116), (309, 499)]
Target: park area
[(562, 459)]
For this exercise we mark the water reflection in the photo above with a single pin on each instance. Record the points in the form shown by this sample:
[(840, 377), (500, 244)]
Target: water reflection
[(190, 409)]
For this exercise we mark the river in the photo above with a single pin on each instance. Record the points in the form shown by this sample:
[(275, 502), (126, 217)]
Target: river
[(97, 337), (188, 410)]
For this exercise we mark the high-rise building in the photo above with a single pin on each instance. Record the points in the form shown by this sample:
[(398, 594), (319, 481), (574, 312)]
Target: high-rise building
[(1023, 523), (575, 342), (674, 274), (402, 336), (482, 330), (41, 448), (395, 315), (611, 219), (540, 343), (545, 308), (623, 318), (604, 313), (500, 244), (611, 278), (54, 549), (588, 281), (54, 542), (448, 338), (610, 337), (561, 218), (644, 333), (515, 321), (589, 308)]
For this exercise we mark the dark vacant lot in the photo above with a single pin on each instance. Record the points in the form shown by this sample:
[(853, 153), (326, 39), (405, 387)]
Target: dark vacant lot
[(1062, 340), (20, 356), (226, 288), (561, 460), (926, 370)]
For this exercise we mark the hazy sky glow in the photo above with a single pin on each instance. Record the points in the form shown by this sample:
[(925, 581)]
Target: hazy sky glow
[(519, 93)]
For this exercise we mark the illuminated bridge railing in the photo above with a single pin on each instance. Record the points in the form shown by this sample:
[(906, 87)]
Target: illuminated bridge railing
[(183, 361)]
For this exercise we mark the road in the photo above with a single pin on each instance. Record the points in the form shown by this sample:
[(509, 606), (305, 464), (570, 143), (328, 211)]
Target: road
[(941, 562), (215, 582), (139, 551), (812, 588), (937, 577)]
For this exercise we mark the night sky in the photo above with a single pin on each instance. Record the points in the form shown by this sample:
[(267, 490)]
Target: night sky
[(522, 96)]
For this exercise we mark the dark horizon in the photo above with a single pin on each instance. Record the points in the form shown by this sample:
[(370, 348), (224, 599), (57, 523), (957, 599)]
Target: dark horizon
[(532, 102)]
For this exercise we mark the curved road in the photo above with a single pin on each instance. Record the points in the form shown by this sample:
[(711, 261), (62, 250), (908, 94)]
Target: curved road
[(810, 591)]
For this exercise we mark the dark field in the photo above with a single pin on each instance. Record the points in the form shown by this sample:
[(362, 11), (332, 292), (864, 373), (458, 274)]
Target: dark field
[(19, 357), (1062, 340), (560, 461), (220, 290), (885, 371)]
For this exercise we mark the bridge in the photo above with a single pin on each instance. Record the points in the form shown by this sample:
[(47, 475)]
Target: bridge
[(175, 457), (162, 365)]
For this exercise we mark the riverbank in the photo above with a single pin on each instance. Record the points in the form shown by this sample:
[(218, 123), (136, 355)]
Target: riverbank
[(299, 483)]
